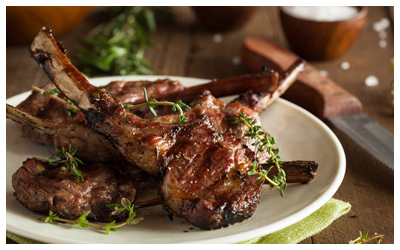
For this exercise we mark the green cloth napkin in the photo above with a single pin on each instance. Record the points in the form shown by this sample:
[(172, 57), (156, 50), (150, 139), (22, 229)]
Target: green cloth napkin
[(309, 226), (293, 234)]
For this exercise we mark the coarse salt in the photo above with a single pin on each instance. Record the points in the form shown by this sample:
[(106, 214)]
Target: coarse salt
[(236, 60), (381, 24), (217, 38), (321, 13), (382, 43), (324, 73), (371, 81), (382, 34), (345, 65)]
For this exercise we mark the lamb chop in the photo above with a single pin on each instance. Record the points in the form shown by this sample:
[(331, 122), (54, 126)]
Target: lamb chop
[(54, 107), (47, 120), (210, 189), (41, 187)]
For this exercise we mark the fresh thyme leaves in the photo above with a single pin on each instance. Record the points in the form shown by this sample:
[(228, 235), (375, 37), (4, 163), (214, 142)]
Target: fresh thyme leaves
[(152, 103), (70, 108), (116, 47), (364, 238), (65, 157), (124, 207), (263, 142), (54, 91)]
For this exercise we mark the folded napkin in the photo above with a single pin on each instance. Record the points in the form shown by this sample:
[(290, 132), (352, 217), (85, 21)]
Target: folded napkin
[(293, 234), (307, 227)]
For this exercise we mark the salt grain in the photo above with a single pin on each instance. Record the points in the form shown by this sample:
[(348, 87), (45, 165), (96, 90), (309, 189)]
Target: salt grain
[(382, 43), (382, 34), (236, 60), (381, 24), (371, 81), (217, 38), (345, 65), (324, 73)]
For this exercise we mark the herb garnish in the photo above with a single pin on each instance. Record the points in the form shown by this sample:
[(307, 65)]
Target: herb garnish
[(124, 207), (70, 108), (261, 143), (116, 47), (152, 103), (65, 158), (364, 238)]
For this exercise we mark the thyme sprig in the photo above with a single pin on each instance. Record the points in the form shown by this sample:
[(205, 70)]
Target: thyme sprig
[(263, 142), (117, 46), (124, 207), (364, 238), (65, 157), (70, 108), (152, 103)]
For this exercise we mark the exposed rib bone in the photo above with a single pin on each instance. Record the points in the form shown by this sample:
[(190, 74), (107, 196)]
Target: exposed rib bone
[(29, 120), (58, 99), (93, 147)]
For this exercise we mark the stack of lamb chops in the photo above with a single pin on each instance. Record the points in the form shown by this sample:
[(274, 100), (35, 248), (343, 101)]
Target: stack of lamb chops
[(200, 167)]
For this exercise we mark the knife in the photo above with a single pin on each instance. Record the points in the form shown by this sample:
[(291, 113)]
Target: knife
[(322, 97)]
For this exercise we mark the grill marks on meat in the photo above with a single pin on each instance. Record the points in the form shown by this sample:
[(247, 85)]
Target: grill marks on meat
[(220, 114), (164, 150), (41, 187), (65, 129), (132, 91), (172, 152)]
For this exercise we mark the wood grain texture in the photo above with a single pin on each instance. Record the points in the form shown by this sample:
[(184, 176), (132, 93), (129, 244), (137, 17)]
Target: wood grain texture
[(312, 91), (188, 49)]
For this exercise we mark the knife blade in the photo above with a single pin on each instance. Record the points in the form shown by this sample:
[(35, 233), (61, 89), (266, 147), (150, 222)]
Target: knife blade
[(322, 97)]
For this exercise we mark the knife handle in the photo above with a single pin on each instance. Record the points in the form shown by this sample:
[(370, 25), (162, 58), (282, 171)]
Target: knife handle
[(312, 91)]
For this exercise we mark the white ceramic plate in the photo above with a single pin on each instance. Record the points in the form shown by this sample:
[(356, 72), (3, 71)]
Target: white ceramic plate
[(299, 135)]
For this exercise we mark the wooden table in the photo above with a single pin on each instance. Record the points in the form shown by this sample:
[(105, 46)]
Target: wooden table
[(187, 49)]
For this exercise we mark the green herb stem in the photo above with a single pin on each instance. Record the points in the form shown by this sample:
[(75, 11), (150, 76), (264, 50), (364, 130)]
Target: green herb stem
[(51, 95), (73, 222), (364, 238), (125, 206), (255, 132), (65, 158), (259, 137), (152, 103)]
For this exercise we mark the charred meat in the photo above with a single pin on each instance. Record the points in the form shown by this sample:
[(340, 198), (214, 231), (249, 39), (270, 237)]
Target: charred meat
[(41, 187)]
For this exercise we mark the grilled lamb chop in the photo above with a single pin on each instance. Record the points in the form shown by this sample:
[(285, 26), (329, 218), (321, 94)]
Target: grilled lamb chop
[(47, 121), (41, 188), (202, 174), (45, 107)]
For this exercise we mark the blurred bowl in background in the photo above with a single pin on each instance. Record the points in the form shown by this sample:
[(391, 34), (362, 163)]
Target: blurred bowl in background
[(224, 18), (313, 39), (23, 22)]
